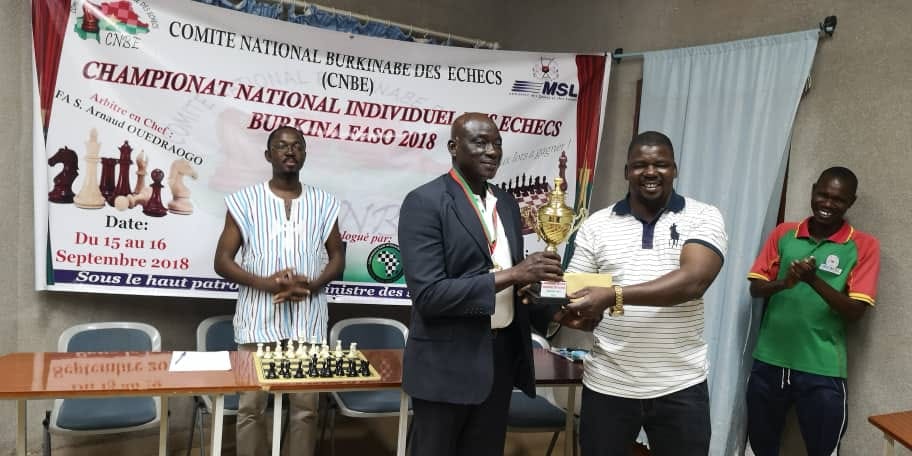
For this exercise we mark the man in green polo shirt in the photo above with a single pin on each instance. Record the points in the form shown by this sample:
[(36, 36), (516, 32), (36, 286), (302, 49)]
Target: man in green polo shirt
[(818, 274)]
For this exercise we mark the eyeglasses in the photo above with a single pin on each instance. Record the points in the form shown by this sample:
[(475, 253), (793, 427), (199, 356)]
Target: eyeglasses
[(284, 147)]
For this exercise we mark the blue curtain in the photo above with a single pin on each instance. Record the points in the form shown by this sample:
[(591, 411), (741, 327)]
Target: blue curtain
[(316, 17), (729, 109)]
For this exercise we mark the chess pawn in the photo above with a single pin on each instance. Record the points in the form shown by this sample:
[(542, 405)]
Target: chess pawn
[(302, 349), (352, 370), (353, 350), (268, 353), (259, 352), (154, 207), (299, 371), (338, 352), (289, 349), (90, 197), (365, 368)]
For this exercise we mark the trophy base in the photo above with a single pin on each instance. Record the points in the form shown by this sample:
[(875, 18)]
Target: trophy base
[(553, 303)]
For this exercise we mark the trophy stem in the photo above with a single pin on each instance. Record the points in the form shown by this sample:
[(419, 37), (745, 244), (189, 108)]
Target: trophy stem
[(551, 248)]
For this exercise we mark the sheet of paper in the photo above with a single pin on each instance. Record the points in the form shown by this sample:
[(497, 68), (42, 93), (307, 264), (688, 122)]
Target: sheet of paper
[(577, 280), (195, 361)]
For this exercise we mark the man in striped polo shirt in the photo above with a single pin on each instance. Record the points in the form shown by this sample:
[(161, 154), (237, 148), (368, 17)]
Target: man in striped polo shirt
[(818, 274), (648, 367), (284, 229)]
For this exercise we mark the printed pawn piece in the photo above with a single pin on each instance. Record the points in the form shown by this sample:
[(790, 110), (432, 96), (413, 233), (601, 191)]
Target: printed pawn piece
[(62, 192), (90, 197), (154, 207), (180, 195)]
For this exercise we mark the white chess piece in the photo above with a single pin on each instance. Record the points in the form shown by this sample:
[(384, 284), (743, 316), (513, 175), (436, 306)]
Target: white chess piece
[(338, 352), (141, 164), (259, 352), (180, 203), (90, 196), (353, 350), (277, 351), (268, 353), (290, 349), (302, 349)]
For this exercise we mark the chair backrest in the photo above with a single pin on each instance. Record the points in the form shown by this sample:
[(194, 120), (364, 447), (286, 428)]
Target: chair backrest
[(370, 333), (216, 334), (540, 342), (109, 336)]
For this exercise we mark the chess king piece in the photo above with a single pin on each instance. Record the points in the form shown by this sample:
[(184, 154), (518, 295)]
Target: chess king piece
[(63, 182), (180, 194), (556, 222), (154, 207), (90, 197), (123, 176)]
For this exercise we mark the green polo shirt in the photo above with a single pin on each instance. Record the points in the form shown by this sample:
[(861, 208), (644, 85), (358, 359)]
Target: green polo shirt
[(800, 331)]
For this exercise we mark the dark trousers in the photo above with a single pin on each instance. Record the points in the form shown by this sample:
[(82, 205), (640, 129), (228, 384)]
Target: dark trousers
[(820, 403), (676, 424), (443, 429)]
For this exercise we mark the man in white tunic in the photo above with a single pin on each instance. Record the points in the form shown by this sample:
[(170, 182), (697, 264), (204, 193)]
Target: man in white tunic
[(284, 230)]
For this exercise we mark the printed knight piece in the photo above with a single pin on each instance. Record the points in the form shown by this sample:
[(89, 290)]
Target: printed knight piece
[(63, 182), (180, 194)]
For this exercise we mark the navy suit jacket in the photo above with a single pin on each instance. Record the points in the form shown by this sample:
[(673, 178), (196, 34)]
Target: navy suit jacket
[(448, 356)]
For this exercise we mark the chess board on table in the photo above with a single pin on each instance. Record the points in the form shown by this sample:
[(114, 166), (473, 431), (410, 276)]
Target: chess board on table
[(327, 369)]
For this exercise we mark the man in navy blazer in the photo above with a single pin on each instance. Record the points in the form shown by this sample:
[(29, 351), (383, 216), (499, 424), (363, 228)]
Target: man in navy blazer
[(469, 338)]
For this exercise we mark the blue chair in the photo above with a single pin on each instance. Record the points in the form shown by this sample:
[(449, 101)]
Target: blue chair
[(212, 334), (535, 415), (106, 415), (368, 333)]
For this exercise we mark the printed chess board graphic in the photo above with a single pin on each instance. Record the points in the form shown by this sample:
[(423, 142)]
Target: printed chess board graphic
[(272, 371), (530, 196)]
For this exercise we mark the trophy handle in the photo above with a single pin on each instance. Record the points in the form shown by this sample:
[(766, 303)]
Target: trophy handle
[(578, 220)]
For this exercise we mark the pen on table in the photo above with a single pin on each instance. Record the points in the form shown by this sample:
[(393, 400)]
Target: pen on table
[(179, 358)]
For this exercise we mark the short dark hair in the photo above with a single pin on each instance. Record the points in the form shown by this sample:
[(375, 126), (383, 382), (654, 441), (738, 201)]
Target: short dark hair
[(273, 134), (843, 174), (650, 138)]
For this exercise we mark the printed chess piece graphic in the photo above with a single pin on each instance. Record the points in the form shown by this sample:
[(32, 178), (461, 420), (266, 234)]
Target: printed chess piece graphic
[(141, 193), (123, 176), (90, 196), (141, 163), (63, 182), (180, 194), (562, 169), (107, 179), (89, 21), (154, 207)]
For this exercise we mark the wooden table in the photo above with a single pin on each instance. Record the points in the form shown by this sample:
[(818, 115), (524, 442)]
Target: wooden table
[(29, 376), (52, 375), (895, 427)]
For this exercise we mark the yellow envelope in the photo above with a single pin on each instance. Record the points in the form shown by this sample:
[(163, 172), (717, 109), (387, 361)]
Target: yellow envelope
[(578, 280)]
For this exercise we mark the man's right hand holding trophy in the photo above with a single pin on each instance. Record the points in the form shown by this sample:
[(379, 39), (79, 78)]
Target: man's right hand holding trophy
[(556, 222)]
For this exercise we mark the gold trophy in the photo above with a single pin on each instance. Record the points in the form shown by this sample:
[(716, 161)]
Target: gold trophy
[(556, 222)]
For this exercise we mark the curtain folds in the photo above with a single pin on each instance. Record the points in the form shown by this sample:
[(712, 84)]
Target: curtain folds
[(729, 110)]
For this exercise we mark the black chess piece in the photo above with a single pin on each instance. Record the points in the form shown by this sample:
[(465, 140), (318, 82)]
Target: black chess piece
[(312, 367), (340, 369), (123, 175), (326, 371), (154, 207), (299, 372), (271, 371), (283, 369), (352, 370), (106, 183), (63, 182), (365, 368)]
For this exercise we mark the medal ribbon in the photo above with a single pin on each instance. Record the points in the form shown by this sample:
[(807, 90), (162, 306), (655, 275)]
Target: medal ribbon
[(489, 236)]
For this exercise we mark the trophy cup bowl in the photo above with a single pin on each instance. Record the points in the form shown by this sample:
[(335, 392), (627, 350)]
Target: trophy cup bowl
[(556, 222)]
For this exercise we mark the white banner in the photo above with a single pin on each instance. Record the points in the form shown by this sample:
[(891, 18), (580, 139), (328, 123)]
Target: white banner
[(162, 108)]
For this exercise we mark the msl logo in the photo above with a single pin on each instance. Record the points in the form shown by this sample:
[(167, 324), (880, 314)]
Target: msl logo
[(116, 24), (547, 85)]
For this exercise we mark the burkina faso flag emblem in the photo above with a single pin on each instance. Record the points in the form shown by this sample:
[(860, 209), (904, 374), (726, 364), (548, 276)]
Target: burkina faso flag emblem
[(118, 17)]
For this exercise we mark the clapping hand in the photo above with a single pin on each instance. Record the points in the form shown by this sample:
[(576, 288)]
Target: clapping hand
[(804, 270)]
